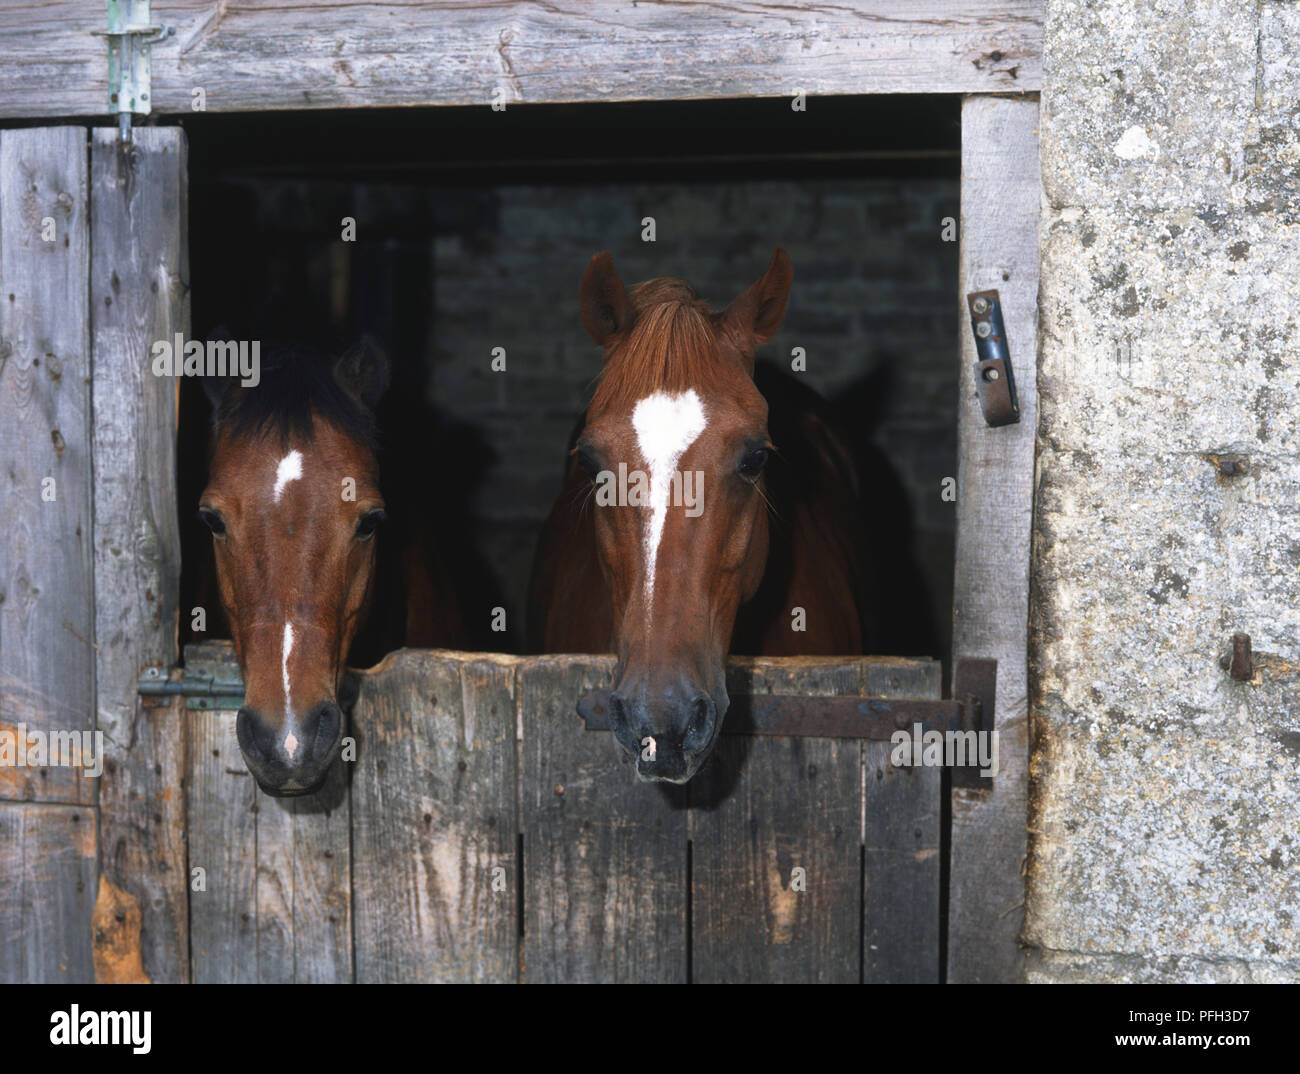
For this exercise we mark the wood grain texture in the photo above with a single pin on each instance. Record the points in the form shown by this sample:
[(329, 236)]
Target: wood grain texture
[(303, 890), (328, 54), (995, 477), (762, 808), (901, 845), (278, 870), (434, 819), (604, 854), (46, 622), (222, 804), (116, 927), (139, 286), (47, 897)]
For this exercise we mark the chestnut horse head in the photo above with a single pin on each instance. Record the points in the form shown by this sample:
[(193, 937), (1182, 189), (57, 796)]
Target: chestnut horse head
[(293, 501), (675, 443)]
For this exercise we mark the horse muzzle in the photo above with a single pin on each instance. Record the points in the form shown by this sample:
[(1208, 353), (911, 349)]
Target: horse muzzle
[(292, 758), (670, 738)]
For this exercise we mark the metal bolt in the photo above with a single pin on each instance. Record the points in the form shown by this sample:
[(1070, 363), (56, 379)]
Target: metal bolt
[(1241, 667), (984, 330), (981, 305), (990, 374)]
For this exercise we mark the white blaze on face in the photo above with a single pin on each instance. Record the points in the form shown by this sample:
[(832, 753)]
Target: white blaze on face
[(666, 425), (289, 469), (290, 742)]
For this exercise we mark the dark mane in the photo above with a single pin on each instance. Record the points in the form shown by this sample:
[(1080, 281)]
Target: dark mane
[(297, 386), (669, 346)]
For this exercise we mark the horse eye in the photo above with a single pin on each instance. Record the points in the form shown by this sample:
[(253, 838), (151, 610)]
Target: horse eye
[(752, 464), (589, 465), (213, 521), (369, 523)]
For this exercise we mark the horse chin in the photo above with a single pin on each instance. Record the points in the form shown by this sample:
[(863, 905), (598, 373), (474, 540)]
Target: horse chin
[(291, 790), (677, 767), (660, 778), (659, 775)]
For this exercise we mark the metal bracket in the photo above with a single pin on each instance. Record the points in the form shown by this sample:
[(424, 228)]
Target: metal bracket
[(210, 679), (994, 379), (970, 708), (130, 35)]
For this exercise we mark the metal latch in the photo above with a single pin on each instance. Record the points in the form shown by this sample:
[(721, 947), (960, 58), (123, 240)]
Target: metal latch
[(130, 33), (209, 680), (994, 380)]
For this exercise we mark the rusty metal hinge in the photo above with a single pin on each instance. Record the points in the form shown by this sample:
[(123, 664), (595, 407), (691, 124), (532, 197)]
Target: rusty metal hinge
[(994, 379)]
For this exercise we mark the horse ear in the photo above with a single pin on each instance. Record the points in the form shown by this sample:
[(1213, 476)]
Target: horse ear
[(603, 299), (217, 388), (362, 372), (756, 314)]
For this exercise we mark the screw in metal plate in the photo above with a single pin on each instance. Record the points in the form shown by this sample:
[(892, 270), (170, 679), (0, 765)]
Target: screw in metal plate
[(983, 330), (990, 374), (981, 305)]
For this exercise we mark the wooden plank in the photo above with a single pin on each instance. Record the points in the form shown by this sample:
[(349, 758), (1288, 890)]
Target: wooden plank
[(139, 285), (901, 845), (435, 883), (46, 667), (278, 901), (762, 808), (995, 475), (222, 801), (47, 860), (303, 891), (604, 854), (291, 54)]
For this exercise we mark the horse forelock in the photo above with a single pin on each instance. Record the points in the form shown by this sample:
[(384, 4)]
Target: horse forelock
[(671, 347), (297, 389)]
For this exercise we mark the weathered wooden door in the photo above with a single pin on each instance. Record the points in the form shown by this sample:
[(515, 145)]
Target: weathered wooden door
[(484, 834), (93, 269)]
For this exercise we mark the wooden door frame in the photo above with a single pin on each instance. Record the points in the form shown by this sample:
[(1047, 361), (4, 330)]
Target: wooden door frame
[(1000, 196), (139, 293), (281, 54)]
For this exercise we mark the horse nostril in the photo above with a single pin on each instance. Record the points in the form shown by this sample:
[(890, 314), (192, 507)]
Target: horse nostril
[(322, 728), (256, 739), (700, 724), (620, 722)]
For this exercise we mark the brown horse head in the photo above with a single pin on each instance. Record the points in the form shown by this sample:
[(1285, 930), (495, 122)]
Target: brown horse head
[(675, 442), (293, 501)]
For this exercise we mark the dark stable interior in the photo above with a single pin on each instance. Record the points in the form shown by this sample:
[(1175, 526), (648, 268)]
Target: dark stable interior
[(473, 229)]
